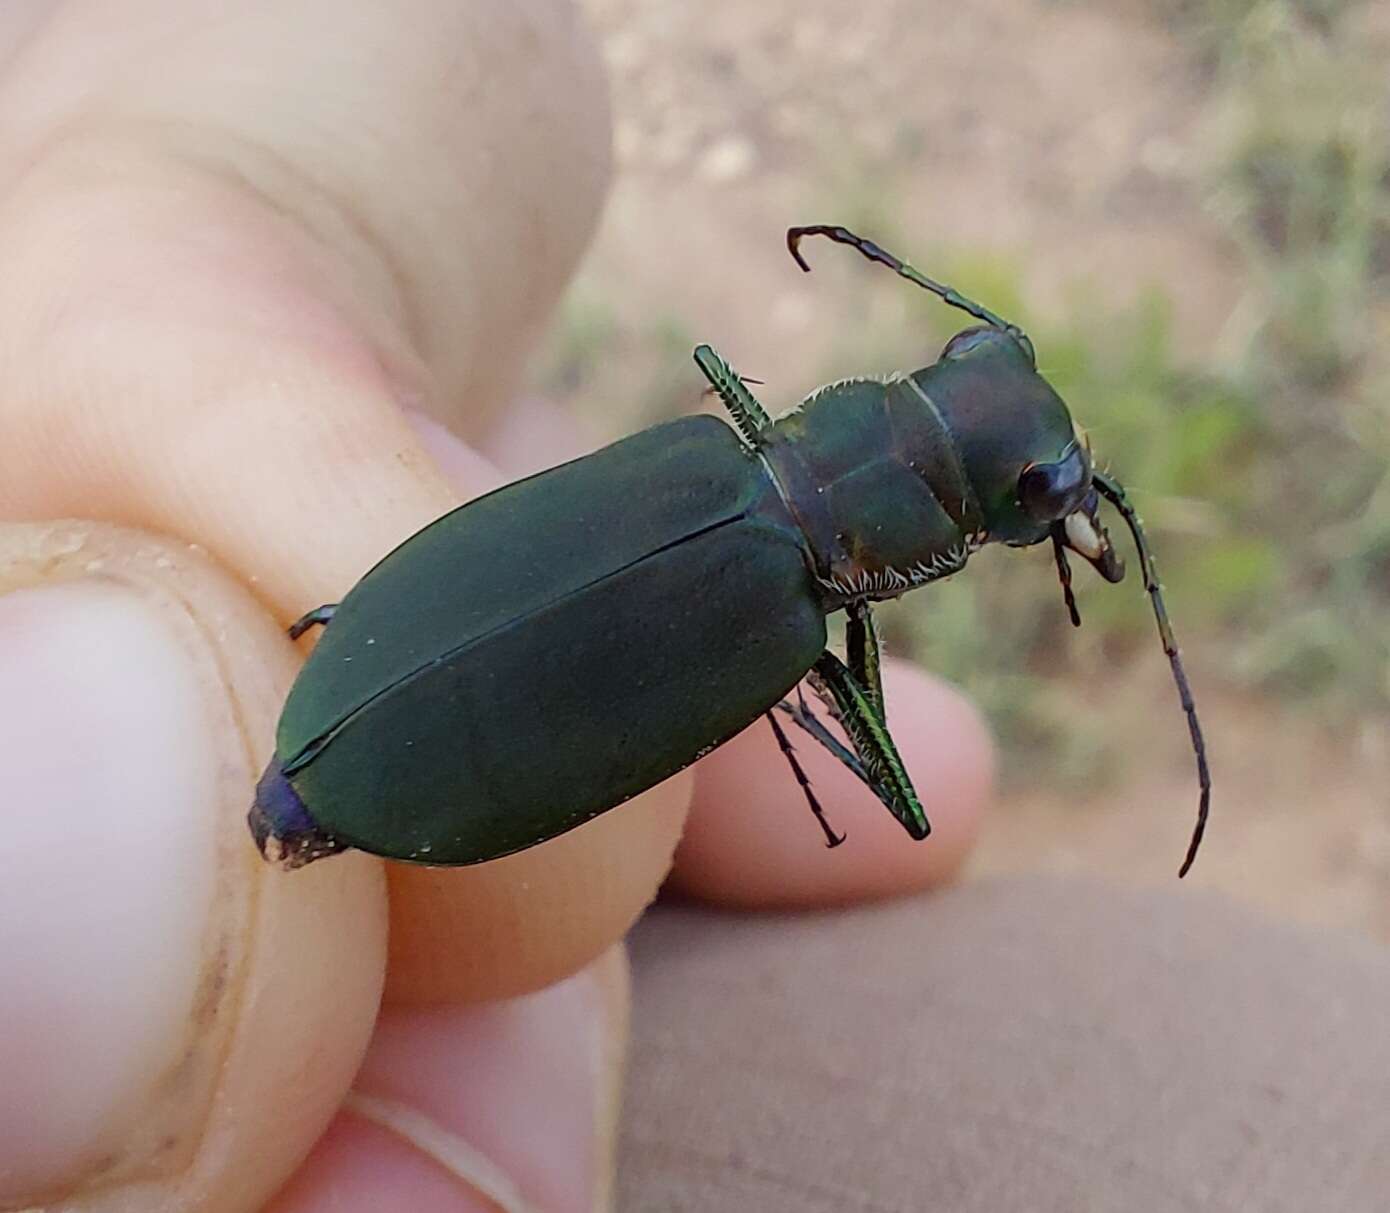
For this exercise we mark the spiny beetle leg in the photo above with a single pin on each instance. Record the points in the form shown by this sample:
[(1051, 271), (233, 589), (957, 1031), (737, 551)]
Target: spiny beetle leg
[(789, 753), (802, 717), (861, 644), (748, 414), (883, 766), (862, 649), (875, 760), (319, 616)]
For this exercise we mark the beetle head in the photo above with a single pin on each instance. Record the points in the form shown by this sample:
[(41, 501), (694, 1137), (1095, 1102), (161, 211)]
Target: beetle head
[(1030, 470), (1030, 474)]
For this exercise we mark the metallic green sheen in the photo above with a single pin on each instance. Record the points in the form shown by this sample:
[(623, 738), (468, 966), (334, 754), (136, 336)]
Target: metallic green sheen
[(1000, 416), (896, 482), (659, 592), (862, 463)]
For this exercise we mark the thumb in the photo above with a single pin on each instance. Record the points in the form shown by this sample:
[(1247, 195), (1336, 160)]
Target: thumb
[(150, 1015)]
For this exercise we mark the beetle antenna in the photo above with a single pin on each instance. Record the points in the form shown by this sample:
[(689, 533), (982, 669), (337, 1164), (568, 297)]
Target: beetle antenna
[(1064, 575), (1113, 492), (873, 252)]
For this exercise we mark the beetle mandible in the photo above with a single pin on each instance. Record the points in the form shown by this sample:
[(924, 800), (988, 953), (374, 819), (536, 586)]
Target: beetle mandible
[(549, 650)]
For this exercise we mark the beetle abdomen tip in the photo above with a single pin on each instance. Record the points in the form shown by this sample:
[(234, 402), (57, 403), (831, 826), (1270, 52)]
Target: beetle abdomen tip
[(285, 834)]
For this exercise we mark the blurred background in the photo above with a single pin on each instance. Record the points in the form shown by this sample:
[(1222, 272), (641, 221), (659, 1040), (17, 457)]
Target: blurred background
[(1187, 206)]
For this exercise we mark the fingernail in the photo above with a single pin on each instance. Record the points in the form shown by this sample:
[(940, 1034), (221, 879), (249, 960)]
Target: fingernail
[(510, 1097), (105, 895)]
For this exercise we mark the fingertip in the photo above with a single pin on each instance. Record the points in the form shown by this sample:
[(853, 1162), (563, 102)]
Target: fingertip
[(164, 979), (751, 839), (527, 920), (509, 1105)]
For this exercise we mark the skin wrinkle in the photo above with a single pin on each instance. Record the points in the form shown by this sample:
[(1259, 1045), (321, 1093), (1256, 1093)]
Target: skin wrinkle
[(218, 991), (313, 206), (286, 191), (220, 986), (459, 1159), (110, 461), (399, 301), (233, 986)]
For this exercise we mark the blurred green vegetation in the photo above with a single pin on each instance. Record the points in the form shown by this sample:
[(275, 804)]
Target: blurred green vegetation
[(1195, 451), (1304, 188), (1263, 478), (619, 372)]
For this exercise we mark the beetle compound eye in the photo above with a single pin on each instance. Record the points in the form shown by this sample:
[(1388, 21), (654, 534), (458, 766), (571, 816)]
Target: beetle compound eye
[(1050, 491), (965, 341), (971, 339)]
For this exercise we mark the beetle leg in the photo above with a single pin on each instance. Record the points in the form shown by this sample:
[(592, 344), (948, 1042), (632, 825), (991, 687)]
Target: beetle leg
[(810, 724), (875, 760), (883, 769), (803, 718), (748, 414), (1059, 553), (789, 753), (861, 644), (318, 616)]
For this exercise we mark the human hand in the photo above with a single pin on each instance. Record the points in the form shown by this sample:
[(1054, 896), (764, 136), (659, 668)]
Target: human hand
[(252, 263)]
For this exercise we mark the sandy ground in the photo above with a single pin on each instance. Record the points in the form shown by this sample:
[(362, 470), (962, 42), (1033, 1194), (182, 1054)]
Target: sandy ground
[(1069, 138)]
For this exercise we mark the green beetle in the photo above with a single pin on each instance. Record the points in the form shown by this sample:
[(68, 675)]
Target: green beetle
[(550, 650)]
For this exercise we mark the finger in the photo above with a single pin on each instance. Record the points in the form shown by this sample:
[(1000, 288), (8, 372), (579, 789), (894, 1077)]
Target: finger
[(159, 980), (751, 839), (536, 434), (18, 20), (223, 284), (410, 151), (509, 1106)]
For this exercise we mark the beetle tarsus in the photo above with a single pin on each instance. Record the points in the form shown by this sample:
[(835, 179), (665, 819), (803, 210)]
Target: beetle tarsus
[(1064, 576), (318, 617), (749, 416), (789, 753)]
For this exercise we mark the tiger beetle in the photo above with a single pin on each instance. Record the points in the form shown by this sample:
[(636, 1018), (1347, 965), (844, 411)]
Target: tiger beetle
[(548, 651)]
